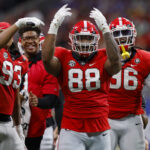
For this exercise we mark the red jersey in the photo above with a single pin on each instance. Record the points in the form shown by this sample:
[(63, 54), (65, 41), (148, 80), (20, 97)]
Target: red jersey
[(126, 86), (11, 70), (85, 88), (40, 83)]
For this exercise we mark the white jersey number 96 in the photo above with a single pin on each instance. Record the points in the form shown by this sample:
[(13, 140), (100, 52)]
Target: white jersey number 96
[(127, 78)]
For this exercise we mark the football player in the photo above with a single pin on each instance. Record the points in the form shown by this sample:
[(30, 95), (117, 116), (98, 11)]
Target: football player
[(84, 75), (125, 98), (43, 92), (12, 67)]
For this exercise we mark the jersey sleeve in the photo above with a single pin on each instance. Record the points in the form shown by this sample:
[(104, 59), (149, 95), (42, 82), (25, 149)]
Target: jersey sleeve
[(60, 52), (50, 85)]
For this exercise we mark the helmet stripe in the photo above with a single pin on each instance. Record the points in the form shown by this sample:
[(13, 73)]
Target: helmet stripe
[(120, 21), (85, 25)]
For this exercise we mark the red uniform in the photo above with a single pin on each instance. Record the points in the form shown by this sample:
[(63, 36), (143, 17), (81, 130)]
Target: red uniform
[(85, 88), (125, 88), (11, 70), (40, 83)]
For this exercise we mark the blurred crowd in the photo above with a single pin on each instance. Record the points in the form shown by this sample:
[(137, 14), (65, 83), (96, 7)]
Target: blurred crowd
[(138, 11)]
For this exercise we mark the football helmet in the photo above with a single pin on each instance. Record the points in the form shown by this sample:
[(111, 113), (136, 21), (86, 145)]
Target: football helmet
[(124, 32), (84, 38), (4, 25)]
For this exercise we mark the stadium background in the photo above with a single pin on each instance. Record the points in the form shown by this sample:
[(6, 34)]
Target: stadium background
[(136, 10)]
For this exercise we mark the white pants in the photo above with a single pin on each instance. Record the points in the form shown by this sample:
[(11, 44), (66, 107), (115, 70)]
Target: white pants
[(9, 138), (128, 133), (47, 141), (71, 140)]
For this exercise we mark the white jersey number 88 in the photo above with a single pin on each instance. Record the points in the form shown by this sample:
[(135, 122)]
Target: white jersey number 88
[(76, 77)]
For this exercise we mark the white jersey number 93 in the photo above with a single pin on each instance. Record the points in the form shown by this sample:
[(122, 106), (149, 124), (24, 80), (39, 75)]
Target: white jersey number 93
[(8, 72)]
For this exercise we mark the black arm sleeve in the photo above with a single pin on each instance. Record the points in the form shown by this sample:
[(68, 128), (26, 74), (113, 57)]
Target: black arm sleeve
[(52, 101), (47, 102), (59, 109)]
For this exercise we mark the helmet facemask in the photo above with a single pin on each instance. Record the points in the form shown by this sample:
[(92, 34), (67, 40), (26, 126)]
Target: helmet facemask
[(123, 32), (124, 36), (84, 39), (84, 43)]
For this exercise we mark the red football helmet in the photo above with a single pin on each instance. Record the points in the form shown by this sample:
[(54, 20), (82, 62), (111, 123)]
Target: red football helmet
[(4, 25), (84, 38), (124, 32)]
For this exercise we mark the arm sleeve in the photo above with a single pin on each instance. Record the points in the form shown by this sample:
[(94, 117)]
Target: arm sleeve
[(52, 101), (59, 109), (48, 101)]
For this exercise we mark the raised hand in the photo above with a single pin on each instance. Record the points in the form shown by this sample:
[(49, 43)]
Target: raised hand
[(100, 20), (29, 21), (59, 18)]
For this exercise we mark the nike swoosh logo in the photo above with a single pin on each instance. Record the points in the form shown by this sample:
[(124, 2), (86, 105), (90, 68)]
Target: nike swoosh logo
[(104, 134), (91, 64), (137, 124), (133, 65)]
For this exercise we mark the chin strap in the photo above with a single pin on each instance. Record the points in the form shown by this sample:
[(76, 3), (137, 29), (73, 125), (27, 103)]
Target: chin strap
[(125, 54)]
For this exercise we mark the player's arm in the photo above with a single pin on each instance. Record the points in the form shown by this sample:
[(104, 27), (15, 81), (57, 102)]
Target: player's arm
[(16, 111), (47, 102), (113, 63), (17, 117), (144, 116), (7, 34), (144, 119), (59, 111), (51, 63)]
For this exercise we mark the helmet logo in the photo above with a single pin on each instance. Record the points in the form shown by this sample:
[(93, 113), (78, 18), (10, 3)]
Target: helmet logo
[(137, 60), (72, 63), (5, 55)]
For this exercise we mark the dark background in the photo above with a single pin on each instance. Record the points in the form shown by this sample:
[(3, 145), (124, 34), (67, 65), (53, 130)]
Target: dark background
[(136, 10)]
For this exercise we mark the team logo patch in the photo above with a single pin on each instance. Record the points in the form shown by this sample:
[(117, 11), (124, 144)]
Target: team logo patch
[(5, 55), (137, 60), (72, 63)]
